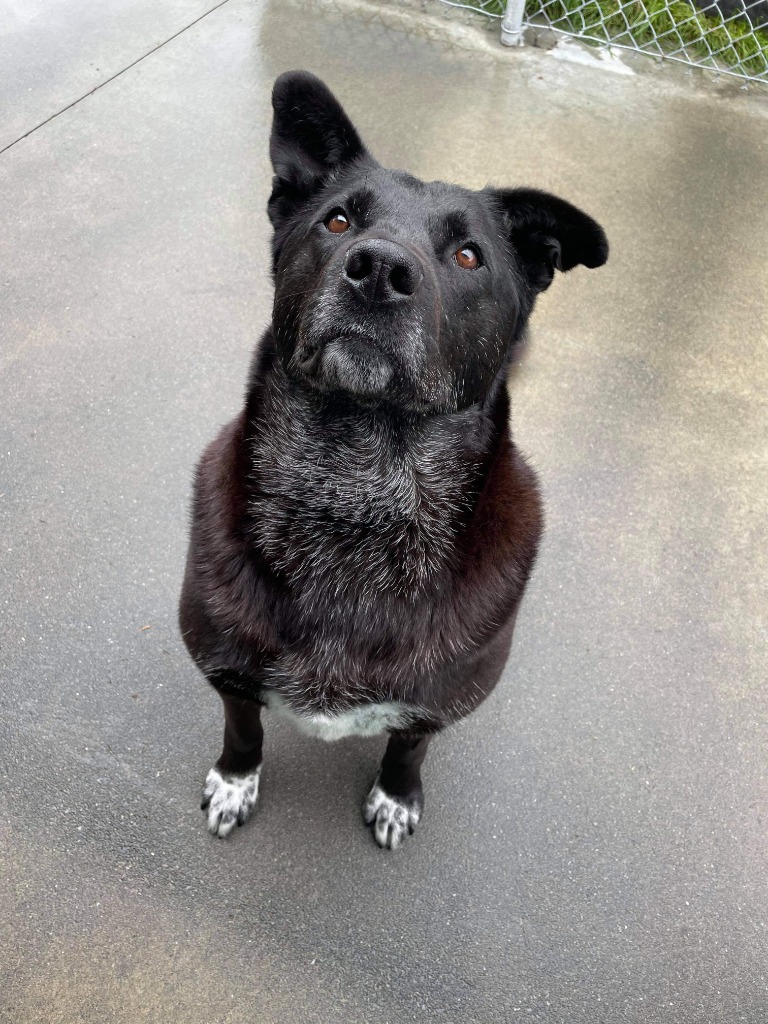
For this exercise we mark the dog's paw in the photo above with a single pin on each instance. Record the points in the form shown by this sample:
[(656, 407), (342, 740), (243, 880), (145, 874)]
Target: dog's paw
[(229, 801), (393, 818)]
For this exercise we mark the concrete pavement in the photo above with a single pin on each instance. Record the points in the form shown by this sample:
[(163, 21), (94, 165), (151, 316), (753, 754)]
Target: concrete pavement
[(594, 845)]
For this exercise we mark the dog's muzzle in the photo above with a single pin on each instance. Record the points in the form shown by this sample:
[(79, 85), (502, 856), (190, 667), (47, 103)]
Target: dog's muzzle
[(355, 365)]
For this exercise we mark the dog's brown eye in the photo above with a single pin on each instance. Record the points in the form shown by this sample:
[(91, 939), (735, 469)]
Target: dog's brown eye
[(337, 222), (467, 258)]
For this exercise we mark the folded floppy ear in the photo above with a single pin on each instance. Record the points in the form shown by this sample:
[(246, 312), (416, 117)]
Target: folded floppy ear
[(311, 136), (549, 234)]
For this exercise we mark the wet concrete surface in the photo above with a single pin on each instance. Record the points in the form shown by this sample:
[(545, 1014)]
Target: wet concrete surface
[(594, 845)]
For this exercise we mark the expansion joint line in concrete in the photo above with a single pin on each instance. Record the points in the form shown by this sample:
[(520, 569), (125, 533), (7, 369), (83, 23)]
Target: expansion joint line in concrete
[(113, 77)]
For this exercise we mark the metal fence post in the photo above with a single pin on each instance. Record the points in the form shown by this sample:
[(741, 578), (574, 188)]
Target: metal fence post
[(731, 40), (512, 25)]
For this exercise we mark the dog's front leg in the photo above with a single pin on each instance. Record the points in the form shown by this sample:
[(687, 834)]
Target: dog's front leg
[(232, 785), (394, 805)]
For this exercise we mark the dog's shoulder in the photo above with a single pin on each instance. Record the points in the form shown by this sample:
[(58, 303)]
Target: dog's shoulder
[(507, 522), (219, 500)]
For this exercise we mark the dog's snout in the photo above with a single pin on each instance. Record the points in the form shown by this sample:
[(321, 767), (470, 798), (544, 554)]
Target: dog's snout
[(381, 271)]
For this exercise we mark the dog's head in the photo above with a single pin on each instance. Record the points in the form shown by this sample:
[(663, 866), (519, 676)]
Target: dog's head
[(391, 289)]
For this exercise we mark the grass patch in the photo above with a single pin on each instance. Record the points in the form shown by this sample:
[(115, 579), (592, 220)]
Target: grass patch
[(657, 26)]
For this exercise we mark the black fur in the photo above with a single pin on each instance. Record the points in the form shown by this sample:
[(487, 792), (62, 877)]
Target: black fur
[(363, 532)]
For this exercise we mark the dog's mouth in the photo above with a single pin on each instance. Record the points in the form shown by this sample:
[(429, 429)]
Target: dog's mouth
[(350, 363)]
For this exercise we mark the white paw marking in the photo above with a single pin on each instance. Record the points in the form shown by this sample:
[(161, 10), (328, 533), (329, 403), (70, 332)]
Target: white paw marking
[(229, 801), (393, 818)]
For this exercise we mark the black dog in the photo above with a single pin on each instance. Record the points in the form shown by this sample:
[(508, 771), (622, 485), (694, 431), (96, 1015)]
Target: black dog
[(362, 533)]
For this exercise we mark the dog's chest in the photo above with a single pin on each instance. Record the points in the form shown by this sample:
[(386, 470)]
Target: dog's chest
[(355, 512), (364, 720)]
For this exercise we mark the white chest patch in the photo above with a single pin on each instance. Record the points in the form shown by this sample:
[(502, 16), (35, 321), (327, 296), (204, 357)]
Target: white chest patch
[(364, 720)]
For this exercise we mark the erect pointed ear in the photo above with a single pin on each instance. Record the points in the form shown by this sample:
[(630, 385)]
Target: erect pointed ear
[(311, 136), (549, 234)]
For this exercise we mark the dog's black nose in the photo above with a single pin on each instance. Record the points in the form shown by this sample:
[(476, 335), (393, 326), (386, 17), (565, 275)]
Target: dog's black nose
[(381, 271)]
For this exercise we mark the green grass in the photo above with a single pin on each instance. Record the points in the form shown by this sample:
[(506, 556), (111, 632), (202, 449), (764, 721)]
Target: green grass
[(678, 23)]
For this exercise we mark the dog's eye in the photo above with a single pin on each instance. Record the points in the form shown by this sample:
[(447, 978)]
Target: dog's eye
[(467, 257), (337, 222)]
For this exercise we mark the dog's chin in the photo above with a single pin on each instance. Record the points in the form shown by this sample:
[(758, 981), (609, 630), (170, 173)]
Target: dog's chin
[(352, 365)]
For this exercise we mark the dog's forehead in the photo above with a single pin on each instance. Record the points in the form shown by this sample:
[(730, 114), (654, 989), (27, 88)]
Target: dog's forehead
[(400, 195)]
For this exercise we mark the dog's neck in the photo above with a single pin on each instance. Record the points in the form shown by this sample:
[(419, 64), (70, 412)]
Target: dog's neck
[(363, 500)]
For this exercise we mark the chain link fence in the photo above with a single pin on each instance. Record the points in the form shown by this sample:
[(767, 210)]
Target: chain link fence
[(729, 37)]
